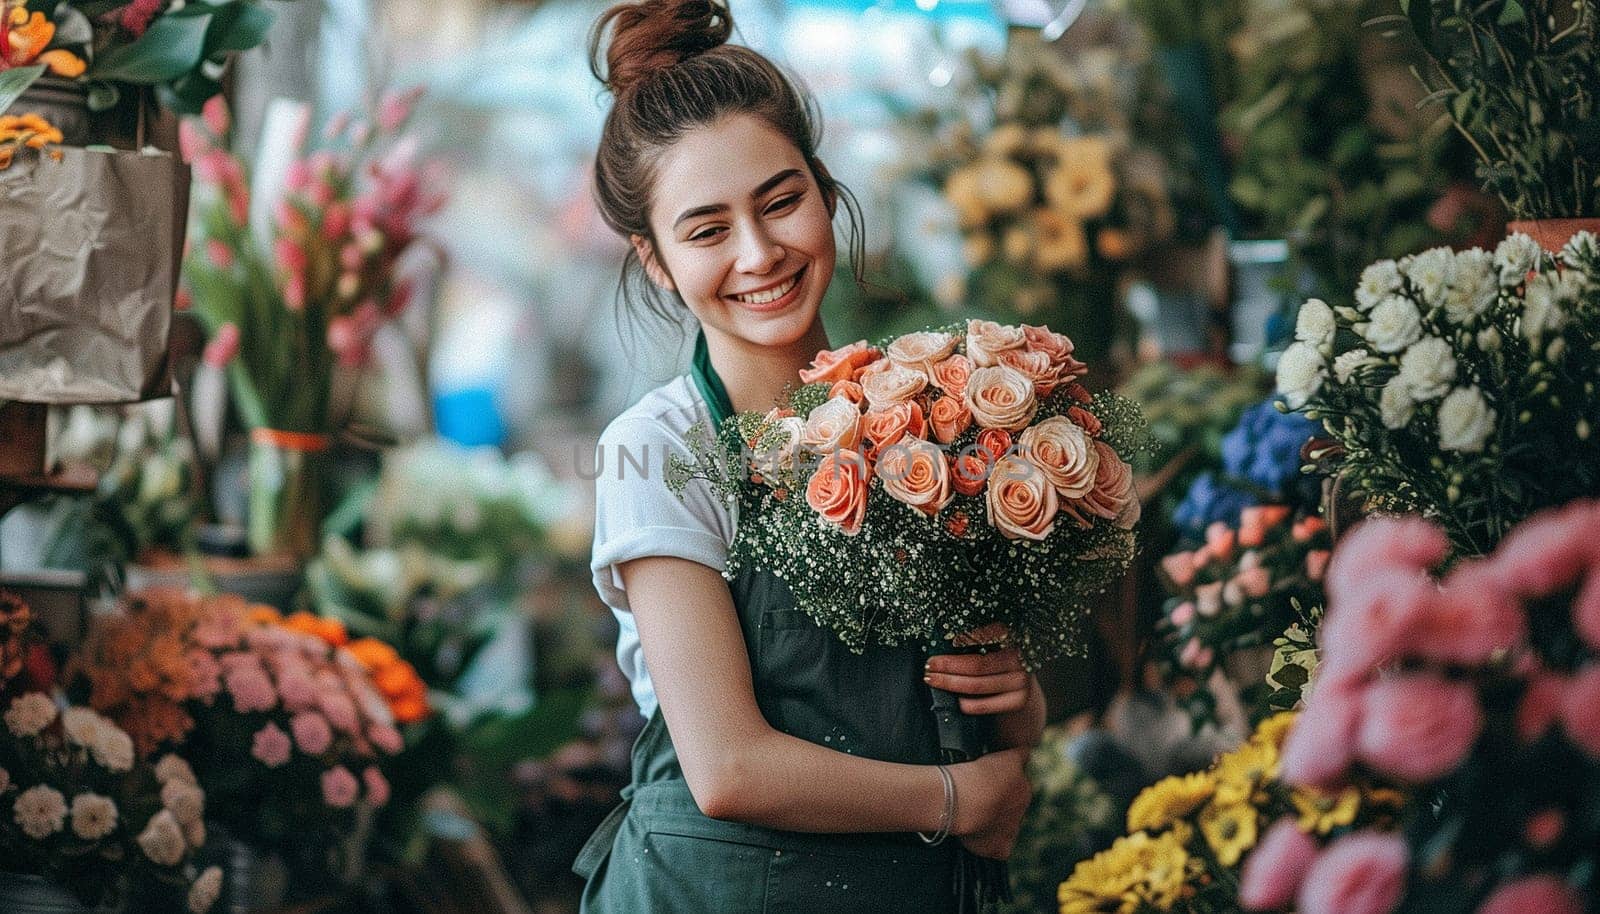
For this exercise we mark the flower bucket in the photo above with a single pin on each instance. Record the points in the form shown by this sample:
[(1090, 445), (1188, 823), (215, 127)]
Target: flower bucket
[(1552, 234), (24, 893), (286, 492)]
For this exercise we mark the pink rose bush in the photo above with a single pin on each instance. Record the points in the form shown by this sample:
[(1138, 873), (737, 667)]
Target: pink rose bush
[(903, 466), (1235, 592), (1476, 688)]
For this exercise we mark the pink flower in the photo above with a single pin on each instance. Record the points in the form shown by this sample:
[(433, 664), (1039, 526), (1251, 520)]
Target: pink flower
[(222, 348), (290, 257), (294, 293), (205, 674), (1319, 747), (215, 114), (1317, 563), (1208, 599), (1196, 656), (271, 746), (297, 691), (1540, 705), (341, 711), (339, 787), (386, 738), (335, 222), (1586, 611), (1220, 540), (1275, 870), (1182, 614), (1549, 550), (1383, 544), (136, 16), (1256, 520), (1361, 873), (1255, 582), (191, 142), (1418, 727), (1370, 623), (395, 108), (1580, 710), (377, 786), (1542, 893), (219, 253), (311, 732), (1544, 828), (1470, 620), (251, 689), (1179, 568)]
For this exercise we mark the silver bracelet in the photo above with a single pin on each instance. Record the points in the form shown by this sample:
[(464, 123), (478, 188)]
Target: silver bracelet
[(948, 817)]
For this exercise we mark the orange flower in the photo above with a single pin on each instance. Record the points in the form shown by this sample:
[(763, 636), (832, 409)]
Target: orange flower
[(330, 630), (262, 614), (850, 390), (839, 364), (949, 418), (838, 490), (969, 472), (372, 653), (886, 426)]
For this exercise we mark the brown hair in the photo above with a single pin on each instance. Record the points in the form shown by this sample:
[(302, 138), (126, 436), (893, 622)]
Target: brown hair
[(670, 70)]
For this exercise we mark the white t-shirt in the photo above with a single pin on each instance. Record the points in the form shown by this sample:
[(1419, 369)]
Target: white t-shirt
[(636, 515)]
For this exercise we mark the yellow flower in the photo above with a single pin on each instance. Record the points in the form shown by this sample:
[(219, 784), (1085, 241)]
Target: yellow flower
[(1242, 771), (1136, 871), (1114, 244), (1230, 830), (1082, 184), (1001, 185), (978, 248), (1169, 800), (1005, 140), (960, 188), (1061, 245), (1016, 244), (1273, 730), (1321, 812)]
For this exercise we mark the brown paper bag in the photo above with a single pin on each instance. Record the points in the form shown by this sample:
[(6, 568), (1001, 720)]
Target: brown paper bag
[(92, 245)]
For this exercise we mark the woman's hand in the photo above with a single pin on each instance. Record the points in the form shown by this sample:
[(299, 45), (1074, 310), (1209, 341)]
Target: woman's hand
[(989, 683), (992, 793)]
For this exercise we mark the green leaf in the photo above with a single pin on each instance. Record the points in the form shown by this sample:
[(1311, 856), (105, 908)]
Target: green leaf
[(190, 92), (237, 27), (15, 81), (1512, 14), (172, 46)]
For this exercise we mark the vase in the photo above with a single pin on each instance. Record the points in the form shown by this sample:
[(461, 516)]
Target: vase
[(1553, 234), (286, 498), (25, 893)]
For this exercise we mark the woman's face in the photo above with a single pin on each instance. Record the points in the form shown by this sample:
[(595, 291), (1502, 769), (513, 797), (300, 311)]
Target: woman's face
[(742, 231)]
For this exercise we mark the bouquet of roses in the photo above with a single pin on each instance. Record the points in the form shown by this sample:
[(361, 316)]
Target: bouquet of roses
[(1234, 593), (1189, 836), (935, 484), (1461, 385), (83, 811), (1480, 690)]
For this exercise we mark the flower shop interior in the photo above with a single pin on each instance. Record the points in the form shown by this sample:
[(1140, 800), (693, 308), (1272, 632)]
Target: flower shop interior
[(310, 326)]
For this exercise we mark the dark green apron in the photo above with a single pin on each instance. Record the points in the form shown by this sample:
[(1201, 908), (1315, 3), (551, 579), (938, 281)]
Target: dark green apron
[(657, 852)]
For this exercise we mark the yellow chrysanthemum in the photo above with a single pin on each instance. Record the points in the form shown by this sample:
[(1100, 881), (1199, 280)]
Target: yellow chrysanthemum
[(1230, 830), (1321, 812), (1241, 773), (1062, 244), (1082, 185), (1136, 871), (1169, 800), (1273, 730)]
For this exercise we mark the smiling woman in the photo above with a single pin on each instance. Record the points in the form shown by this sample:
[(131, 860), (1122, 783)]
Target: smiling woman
[(777, 771)]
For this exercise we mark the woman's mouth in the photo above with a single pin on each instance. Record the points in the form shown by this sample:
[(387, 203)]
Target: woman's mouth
[(775, 298)]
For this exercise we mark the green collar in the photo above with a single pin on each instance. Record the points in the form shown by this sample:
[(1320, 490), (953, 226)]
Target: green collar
[(711, 387)]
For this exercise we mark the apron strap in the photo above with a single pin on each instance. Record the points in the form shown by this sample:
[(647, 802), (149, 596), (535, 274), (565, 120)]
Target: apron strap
[(599, 844), (710, 385)]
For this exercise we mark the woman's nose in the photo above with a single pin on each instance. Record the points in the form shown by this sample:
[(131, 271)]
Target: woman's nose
[(758, 253)]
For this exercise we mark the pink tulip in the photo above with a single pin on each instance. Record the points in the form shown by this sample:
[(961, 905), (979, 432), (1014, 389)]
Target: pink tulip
[(1418, 727), (211, 167), (1182, 614), (1361, 873), (351, 258), (223, 347), (1319, 747), (1544, 894), (1220, 539), (294, 293), (215, 113), (1275, 869), (1179, 568), (377, 786), (298, 175), (290, 257), (1580, 710), (218, 252), (339, 787)]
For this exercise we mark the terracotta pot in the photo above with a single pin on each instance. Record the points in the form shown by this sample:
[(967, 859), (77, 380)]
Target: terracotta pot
[(1553, 234)]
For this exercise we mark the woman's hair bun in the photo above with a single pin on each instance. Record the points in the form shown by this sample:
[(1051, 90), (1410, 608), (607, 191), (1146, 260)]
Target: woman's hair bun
[(651, 35)]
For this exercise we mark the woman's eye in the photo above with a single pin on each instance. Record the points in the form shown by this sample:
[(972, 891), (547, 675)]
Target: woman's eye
[(707, 233), (784, 202)]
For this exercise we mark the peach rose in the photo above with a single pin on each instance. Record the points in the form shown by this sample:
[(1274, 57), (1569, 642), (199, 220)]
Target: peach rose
[(838, 491), (871, 368), (1064, 453), (1113, 497), (971, 471), (1001, 397), (1086, 420), (949, 418), (839, 364), (987, 339), (921, 350), (951, 374), (1044, 373), (996, 441), (895, 384), (1021, 501), (884, 427), (917, 473), (1058, 347), (850, 390), (833, 426)]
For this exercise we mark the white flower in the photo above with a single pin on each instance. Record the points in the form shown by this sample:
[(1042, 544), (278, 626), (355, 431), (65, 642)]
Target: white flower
[(1473, 290), (113, 749), (174, 768), (1515, 257), (81, 725), (162, 840), (203, 894), (1315, 323), (187, 801), (1300, 373), (1428, 368), (1395, 406), (1377, 282), (779, 443), (1542, 309), (1465, 421), (93, 816), (1489, 339), (1431, 272), (1582, 249), (1346, 364), (41, 811), (1394, 325), (30, 714)]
